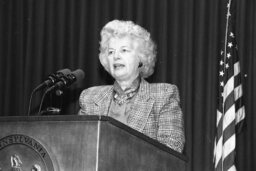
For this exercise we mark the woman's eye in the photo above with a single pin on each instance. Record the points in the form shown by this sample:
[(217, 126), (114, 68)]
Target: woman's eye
[(110, 52), (124, 50)]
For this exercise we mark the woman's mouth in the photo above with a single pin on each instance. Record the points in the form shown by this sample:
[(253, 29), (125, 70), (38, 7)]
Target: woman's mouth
[(118, 66)]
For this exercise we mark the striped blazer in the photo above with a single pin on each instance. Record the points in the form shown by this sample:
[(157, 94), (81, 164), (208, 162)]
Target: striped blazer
[(155, 111)]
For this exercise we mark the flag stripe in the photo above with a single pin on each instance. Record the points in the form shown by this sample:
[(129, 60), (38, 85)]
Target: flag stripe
[(229, 102), (239, 103), (229, 146), (219, 116), (218, 167), (228, 87), (238, 91), (218, 158), (237, 80), (228, 163), (240, 114), (218, 151), (228, 117), (228, 134), (236, 68), (233, 168), (219, 130)]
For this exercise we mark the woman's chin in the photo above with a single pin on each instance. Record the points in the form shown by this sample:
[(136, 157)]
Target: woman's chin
[(118, 75)]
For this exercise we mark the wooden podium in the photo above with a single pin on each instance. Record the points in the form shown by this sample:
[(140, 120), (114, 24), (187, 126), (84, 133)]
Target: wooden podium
[(80, 143)]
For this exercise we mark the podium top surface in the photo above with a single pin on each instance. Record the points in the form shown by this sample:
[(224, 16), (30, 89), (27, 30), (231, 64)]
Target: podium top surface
[(93, 118)]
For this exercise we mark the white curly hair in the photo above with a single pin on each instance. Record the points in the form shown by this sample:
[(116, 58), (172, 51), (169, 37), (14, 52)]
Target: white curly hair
[(147, 48)]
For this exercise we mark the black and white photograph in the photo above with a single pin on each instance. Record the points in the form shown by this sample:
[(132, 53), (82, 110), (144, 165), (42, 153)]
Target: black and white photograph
[(127, 85)]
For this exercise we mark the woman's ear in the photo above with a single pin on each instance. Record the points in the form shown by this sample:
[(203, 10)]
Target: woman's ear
[(140, 60)]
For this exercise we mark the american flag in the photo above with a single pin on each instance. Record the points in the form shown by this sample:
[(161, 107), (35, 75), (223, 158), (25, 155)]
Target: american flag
[(230, 111)]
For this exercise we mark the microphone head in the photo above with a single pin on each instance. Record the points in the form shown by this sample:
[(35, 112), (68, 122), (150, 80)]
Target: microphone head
[(68, 79), (79, 74), (65, 71)]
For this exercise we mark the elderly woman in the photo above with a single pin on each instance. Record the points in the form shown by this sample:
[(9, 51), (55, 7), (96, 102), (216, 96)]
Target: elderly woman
[(128, 53)]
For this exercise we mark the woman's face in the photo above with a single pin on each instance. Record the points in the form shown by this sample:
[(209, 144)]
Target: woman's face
[(123, 59)]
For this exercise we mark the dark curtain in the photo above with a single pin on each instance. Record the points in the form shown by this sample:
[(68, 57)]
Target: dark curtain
[(39, 37)]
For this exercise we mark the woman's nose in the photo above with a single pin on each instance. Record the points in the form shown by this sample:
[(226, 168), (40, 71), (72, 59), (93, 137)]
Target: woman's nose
[(116, 55)]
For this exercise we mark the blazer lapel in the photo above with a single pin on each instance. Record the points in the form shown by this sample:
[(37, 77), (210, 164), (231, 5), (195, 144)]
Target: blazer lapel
[(141, 108), (102, 101)]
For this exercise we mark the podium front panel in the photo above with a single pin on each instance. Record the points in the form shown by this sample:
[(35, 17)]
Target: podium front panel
[(122, 148), (71, 145)]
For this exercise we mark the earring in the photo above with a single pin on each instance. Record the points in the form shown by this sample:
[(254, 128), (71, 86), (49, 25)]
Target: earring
[(140, 64)]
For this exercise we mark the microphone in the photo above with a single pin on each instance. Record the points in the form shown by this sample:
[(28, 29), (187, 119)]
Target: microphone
[(53, 78), (67, 80), (64, 81)]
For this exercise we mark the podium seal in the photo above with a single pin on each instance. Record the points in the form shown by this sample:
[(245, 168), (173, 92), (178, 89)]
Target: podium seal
[(22, 153)]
